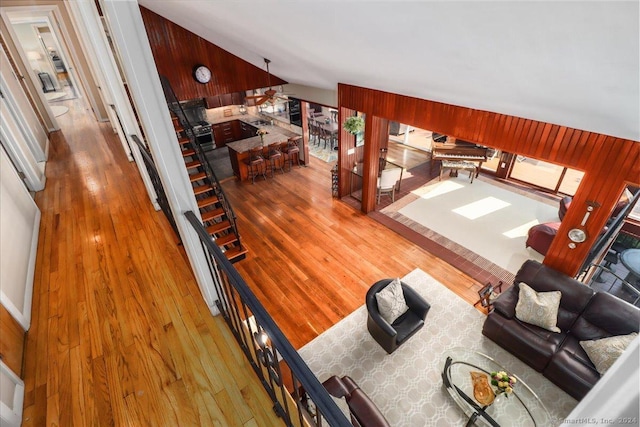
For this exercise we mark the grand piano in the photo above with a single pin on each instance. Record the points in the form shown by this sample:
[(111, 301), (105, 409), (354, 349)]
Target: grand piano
[(459, 150)]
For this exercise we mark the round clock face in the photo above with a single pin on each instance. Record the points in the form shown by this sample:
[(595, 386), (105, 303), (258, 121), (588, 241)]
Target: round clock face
[(202, 74), (577, 235)]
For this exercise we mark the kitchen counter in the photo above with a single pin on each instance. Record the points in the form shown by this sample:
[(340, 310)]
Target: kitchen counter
[(239, 150), (247, 118)]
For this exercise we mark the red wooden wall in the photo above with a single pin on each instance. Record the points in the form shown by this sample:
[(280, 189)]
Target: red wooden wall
[(176, 51), (609, 163)]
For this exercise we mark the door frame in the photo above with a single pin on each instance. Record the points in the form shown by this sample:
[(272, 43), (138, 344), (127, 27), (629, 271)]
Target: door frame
[(50, 14), (12, 416)]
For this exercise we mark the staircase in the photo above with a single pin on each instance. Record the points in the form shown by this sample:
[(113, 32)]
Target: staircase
[(217, 215)]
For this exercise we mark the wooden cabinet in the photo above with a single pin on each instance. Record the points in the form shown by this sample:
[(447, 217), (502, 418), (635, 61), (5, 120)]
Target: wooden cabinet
[(236, 98), (222, 133), (212, 102), (247, 131), (234, 130)]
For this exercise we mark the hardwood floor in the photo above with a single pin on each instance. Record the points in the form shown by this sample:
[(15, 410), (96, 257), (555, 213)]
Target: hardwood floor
[(312, 258), (120, 333)]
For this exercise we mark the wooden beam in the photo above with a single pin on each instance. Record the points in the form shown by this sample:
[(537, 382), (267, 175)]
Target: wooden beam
[(376, 134), (609, 163)]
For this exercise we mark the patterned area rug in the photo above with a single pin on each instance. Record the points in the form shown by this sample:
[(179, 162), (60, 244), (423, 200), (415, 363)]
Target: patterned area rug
[(326, 155), (406, 385)]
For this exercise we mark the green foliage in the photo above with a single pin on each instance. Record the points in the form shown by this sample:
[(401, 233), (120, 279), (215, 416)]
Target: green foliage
[(354, 125)]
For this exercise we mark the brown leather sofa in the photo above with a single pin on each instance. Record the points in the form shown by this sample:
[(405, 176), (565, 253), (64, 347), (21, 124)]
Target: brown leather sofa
[(583, 315), (364, 413)]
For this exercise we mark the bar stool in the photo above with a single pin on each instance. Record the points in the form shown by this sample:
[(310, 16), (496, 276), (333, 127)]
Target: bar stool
[(290, 149), (274, 156), (255, 164)]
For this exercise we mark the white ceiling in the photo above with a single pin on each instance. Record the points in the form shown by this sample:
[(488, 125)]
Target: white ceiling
[(574, 63)]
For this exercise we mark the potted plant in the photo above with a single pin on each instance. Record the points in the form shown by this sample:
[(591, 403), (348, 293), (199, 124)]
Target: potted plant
[(354, 125)]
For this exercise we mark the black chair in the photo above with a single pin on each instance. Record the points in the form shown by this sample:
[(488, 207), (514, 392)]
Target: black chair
[(391, 336), (47, 83)]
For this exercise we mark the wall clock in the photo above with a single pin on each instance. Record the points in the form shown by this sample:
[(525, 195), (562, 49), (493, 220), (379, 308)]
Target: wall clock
[(202, 74)]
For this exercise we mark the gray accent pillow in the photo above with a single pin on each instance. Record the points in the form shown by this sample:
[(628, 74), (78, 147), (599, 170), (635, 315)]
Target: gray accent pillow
[(538, 308), (391, 303), (605, 351)]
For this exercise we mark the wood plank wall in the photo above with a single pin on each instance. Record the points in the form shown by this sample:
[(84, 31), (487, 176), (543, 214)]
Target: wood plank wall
[(176, 51), (609, 163)]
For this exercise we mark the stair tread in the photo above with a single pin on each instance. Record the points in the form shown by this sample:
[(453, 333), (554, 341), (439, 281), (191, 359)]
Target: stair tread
[(212, 214), (208, 201), (184, 140), (197, 176), (193, 164), (189, 152), (235, 253), (218, 227), (226, 239), (202, 189)]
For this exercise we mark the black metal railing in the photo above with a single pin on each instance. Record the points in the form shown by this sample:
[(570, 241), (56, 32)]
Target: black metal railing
[(215, 184), (176, 108), (297, 395), (603, 278), (161, 196)]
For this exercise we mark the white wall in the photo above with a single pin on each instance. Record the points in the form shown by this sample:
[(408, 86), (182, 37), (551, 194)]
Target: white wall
[(19, 226), (312, 94), (19, 107), (129, 35)]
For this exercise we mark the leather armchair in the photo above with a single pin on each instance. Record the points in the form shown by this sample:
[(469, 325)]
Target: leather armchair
[(391, 336), (364, 413)]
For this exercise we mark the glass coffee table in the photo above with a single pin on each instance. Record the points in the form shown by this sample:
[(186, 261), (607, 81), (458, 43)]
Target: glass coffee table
[(520, 408)]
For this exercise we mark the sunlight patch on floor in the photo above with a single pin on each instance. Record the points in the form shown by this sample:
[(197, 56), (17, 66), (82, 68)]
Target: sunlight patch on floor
[(430, 192), (521, 230), (481, 207)]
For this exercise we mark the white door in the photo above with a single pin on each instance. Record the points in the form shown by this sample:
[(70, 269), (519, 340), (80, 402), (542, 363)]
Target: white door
[(19, 227), (11, 397), (12, 139), (19, 107)]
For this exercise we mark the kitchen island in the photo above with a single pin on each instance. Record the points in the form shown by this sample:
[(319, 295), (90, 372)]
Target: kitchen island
[(239, 150)]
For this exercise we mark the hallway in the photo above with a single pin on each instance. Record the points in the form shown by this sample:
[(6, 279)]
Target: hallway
[(120, 334)]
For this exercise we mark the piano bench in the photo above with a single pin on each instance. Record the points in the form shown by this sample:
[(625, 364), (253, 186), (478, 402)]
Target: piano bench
[(453, 167)]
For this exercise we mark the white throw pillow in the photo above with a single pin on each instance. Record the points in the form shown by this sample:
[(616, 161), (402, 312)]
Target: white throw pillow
[(538, 308), (605, 351), (391, 303)]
